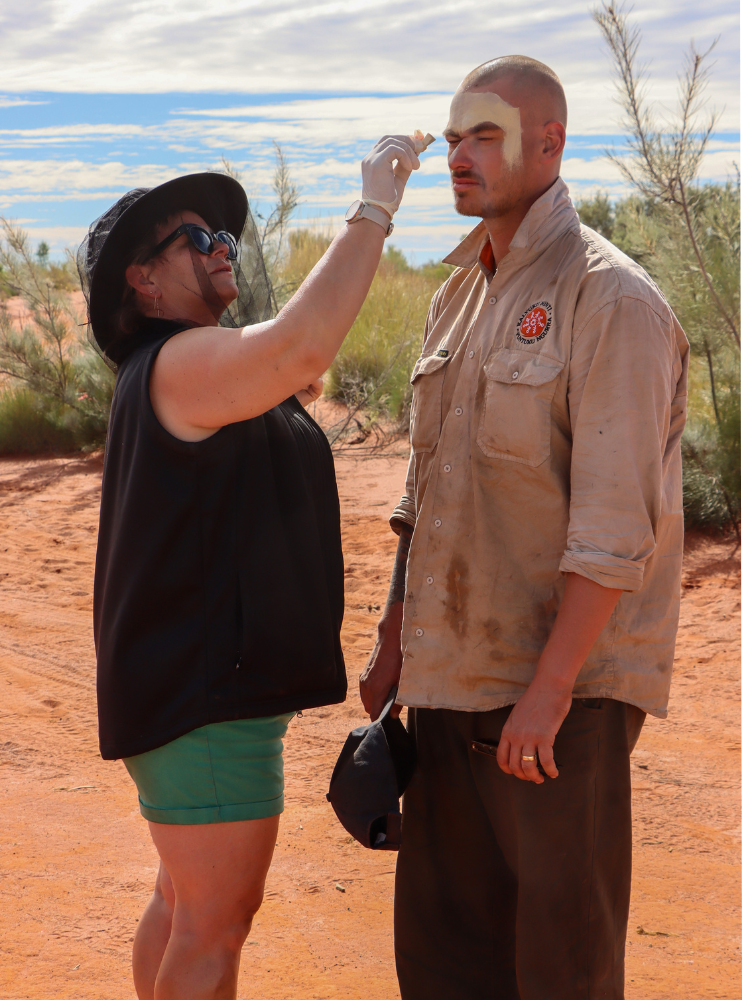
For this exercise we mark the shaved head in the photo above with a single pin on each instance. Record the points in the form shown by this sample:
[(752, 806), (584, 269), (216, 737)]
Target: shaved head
[(540, 88), (506, 133)]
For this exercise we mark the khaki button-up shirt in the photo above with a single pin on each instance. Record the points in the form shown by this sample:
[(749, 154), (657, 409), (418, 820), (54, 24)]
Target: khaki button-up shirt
[(549, 403)]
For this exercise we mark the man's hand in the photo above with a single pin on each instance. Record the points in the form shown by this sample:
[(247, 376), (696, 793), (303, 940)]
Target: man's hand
[(383, 669), (530, 731), (536, 718)]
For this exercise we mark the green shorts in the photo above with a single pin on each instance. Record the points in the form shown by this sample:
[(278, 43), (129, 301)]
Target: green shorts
[(219, 773)]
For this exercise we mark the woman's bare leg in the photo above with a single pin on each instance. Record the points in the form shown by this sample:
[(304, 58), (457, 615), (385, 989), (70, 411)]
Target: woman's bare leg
[(152, 935), (217, 872)]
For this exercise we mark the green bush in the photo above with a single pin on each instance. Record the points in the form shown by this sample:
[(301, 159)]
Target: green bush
[(57, 392), (373, 367), (597, 213), (656, 236), (705, 503), (371, 371), (30, 425), (711, 471)]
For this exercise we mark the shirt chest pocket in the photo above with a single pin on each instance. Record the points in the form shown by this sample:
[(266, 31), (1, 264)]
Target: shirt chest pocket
[(425, 416), (515, 422)]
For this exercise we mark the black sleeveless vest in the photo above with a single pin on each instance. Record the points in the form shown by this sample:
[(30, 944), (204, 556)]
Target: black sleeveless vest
[(218, 589)]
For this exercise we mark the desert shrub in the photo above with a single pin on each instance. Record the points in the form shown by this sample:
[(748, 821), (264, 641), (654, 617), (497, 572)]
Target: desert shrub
[(711, 469), (371, 371), (657, 236), (373, 367), (304, 249), (687, 235), (29, 424), (62, 276), (57, 391), (436, 271), (58, 275), (597, 213)]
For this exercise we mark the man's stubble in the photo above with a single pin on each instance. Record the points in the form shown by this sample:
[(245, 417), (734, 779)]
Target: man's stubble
[(486, 204)]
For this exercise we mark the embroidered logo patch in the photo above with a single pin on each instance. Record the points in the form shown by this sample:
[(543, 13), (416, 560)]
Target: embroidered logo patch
[(534, 323), (442, 353)]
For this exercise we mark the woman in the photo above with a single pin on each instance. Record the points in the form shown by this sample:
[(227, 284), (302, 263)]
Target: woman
[(219, 574)]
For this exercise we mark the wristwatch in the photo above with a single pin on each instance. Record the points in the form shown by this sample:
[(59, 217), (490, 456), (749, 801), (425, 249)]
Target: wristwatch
[(359, 211)]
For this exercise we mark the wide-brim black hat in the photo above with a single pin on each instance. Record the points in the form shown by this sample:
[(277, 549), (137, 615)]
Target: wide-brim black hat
[(106, 252)]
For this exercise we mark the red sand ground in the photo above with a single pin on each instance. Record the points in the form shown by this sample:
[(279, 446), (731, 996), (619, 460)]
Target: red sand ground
[(76, 861)]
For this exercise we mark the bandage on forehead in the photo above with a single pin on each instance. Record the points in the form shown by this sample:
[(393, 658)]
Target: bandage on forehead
[(470, 108)]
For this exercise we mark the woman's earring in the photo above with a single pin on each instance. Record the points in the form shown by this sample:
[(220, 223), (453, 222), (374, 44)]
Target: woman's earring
[(156, 309)]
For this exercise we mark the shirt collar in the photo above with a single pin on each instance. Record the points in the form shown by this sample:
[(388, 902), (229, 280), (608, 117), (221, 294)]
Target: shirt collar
[(550, 216)]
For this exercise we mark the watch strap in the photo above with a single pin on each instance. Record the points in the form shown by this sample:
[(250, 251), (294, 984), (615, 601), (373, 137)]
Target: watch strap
[(367, 211)]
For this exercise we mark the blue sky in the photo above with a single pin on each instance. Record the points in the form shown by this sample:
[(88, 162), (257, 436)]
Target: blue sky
[(97, 98)]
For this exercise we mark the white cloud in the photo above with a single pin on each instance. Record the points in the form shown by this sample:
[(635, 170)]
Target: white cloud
[(313, 172), (16, 102), (362, 46), (588, 177), (432, 165), (77, 178), (261, 50), (438, 197), (58, 237), (327, 181), (68, 134), (318, 124), (332, 132), (599, 169)]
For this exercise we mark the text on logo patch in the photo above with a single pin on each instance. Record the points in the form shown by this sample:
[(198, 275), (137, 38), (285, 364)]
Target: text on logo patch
[(534, 323)]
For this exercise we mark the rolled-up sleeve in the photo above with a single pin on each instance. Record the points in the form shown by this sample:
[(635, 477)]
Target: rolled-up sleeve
[(405, 511), (623, 377)]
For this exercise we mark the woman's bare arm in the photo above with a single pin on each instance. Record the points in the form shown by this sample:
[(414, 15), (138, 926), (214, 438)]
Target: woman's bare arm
[(208, 377), (211, 376)]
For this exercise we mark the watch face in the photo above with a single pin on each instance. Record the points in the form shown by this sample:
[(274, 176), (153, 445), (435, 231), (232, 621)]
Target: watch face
[(353, 210)]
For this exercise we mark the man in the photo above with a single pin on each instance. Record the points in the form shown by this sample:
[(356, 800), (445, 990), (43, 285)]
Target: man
[(535, 597)]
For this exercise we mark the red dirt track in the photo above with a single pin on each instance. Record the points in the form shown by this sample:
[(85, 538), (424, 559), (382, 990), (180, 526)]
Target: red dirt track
[(76, 861)]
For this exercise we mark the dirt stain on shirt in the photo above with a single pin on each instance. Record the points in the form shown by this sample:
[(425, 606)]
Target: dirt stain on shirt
[(491, 630), (457, 591)]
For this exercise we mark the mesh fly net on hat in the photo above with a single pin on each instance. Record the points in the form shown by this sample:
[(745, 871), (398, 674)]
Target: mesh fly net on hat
[(255, 302)]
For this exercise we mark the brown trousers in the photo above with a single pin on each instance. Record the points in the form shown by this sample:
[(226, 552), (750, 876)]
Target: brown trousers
[(507, 890)]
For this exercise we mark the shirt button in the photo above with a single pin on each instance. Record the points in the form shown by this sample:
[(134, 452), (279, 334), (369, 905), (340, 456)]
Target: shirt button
[(446, 468), (419, 631), (430, 579), (458, 411), (438, 522), (515, 375), (492, 300), (471, 354)]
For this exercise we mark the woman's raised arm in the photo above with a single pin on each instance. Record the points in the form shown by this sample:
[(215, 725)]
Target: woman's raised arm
[(211, 376)]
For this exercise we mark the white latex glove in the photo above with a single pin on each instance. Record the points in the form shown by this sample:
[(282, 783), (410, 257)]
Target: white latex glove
[(382, 183)]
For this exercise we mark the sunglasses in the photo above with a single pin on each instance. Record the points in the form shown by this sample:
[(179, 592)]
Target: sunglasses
[(203, 240)]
